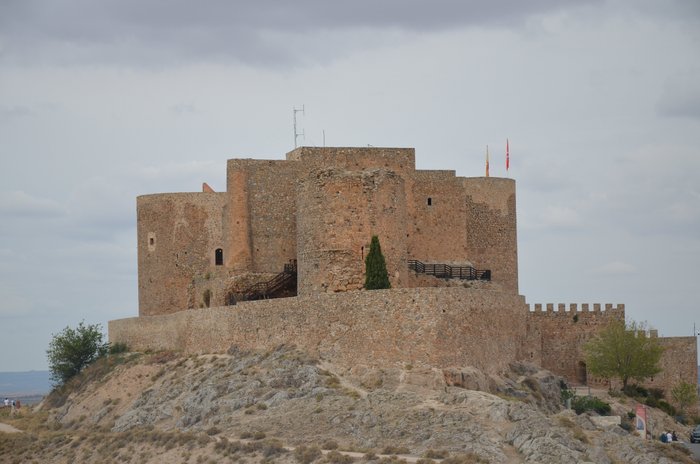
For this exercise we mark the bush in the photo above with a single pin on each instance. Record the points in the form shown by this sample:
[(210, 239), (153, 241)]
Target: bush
[(395, 450), (71, 350), (667, 408), (307, 455), (635, 391), (329, 445), (335, 457), (118, 348), (581, 404)]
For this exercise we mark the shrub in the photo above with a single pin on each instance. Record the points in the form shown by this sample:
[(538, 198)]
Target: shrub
[(635, 391), (657, 393), (436, 454), (118, 348), (581, 404), (307, 455), (71, 350), (338, 458), (329, 445), (395, 450)]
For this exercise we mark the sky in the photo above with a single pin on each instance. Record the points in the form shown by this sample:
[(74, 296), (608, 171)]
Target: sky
[(105, 100)]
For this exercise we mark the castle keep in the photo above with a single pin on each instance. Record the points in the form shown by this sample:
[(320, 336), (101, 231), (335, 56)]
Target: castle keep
[(279, 259)]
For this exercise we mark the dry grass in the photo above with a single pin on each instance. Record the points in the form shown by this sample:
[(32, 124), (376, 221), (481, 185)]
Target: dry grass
[(675, 452)]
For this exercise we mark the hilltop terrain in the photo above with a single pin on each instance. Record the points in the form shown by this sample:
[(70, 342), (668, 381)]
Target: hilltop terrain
[(283, 406)]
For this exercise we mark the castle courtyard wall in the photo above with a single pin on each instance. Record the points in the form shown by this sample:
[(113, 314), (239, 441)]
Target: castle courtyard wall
[(440, 326)]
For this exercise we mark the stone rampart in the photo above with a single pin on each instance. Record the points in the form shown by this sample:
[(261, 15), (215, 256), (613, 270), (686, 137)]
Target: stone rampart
[(563, 332), (440, 326), (679, 363)]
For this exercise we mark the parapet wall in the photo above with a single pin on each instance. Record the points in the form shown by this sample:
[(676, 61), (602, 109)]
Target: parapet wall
[(441, 326), (561, 334)]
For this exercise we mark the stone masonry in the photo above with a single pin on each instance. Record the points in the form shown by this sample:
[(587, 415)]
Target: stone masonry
[(320, 207)]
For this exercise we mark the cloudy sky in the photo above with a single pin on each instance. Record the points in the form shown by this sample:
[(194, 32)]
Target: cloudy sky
[(101, 101)]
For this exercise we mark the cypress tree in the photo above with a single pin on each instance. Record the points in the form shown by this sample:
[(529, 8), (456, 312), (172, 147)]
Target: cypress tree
[(376, 275)]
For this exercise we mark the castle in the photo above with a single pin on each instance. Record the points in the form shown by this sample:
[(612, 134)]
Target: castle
[(279, 259)]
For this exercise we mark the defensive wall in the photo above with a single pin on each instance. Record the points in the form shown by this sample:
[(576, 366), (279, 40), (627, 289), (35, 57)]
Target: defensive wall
[(320, 207), (441, 326), (561, 332)]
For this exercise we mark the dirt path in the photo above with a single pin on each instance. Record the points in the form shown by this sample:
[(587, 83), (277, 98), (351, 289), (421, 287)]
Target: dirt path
[(8, 428)]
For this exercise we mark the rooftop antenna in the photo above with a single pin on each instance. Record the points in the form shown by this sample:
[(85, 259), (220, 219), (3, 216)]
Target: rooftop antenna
[(295, 110)]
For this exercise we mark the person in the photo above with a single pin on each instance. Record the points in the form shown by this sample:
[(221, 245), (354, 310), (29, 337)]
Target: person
[(674, 436), (669, 437), (12, 413), (663, 437), (7, 401)]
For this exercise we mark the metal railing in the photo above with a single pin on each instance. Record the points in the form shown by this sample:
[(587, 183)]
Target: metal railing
[(447, 271), (285, 280)]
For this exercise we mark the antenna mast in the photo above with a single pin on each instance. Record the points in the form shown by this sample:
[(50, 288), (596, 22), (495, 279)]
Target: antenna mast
[(297, 134)]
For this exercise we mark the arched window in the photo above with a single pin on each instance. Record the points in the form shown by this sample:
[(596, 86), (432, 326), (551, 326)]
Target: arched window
[(219, 257)]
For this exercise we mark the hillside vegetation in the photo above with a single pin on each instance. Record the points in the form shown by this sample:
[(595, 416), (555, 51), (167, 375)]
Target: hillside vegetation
[(285, 407)]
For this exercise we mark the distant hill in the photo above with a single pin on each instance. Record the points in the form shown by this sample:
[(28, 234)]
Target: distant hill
[(22, 384)]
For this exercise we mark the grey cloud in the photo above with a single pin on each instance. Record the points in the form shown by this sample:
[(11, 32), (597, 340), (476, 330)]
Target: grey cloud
[(252, 32), (683, 107), (9, 113), (18, 203)]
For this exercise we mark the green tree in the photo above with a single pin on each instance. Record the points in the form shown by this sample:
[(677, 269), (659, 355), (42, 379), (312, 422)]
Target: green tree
[(376, 275), (71, 350), (684, 394), (618, 351)]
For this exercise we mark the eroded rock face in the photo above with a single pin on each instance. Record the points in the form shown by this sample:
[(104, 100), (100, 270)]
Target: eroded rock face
[(512, 418)]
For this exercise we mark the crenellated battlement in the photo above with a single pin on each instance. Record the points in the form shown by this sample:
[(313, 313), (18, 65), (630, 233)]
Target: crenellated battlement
[(562, 309)]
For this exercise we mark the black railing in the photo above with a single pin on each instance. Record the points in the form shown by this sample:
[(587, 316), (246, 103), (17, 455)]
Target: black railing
[(447, 271), (283, 284)]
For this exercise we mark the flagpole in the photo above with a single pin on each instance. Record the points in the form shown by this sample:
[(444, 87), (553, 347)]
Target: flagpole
[(487, 161)]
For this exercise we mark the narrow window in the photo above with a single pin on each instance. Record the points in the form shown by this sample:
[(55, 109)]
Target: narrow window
[(152, 240), (430, 201), (219, 257)]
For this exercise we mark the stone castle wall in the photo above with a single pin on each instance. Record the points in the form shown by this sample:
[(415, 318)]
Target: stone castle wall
[(561, 335), (321, 206), (177, 237), (339, 212), (679, 363), (438, 224), (441, 326), (261, 214), (492, 241)]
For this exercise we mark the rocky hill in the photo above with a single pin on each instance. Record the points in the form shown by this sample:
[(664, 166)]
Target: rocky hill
[(283, 406)]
